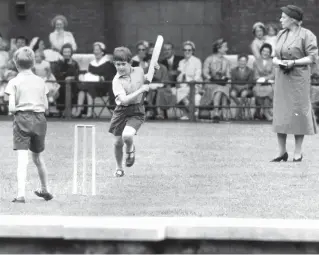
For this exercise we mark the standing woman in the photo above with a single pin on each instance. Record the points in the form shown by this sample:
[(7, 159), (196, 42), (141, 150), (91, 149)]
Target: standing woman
[(60, 36), (296, 50)]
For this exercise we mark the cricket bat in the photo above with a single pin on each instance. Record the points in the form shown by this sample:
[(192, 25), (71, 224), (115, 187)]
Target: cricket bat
[(156, 53)]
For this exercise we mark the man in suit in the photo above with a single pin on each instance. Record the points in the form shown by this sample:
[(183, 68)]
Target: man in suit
[(171, 61)]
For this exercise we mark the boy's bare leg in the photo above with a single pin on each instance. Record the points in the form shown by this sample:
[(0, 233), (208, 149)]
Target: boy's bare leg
[(127, 135), (118, 152), (43, 175), (42, 171), (22, 171)]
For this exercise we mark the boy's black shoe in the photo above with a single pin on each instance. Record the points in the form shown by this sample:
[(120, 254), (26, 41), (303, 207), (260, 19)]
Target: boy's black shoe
[(44, 194)]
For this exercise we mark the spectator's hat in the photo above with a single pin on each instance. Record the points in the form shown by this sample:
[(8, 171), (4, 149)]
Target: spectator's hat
[(100, 44), (59, 17), (143, 42), (293, 11), (190, 43), (258, 24)]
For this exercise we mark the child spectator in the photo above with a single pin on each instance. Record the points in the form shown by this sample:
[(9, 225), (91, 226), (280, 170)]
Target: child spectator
[(42, 68), (270, 38), (259, 32)]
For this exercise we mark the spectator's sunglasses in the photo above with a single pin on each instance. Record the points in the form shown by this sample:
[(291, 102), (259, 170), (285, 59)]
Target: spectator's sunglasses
[(187, 50), (141, 49)]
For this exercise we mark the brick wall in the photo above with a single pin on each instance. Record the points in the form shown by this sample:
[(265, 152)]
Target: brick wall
[(124, 22), (177, 21), (85, 17), (240, 15)]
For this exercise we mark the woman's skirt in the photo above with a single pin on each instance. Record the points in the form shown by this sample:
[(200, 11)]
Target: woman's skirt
[(263, 91)]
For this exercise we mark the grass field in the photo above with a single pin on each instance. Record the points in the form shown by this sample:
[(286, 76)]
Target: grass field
[(181, 169)]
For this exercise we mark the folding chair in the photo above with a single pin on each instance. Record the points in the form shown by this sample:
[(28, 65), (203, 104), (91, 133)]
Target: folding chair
[(104, 101)]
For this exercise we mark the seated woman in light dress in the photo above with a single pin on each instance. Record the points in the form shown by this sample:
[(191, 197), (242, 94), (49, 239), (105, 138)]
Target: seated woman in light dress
[(264, 72), (60, 36), (190, 70), (259, 32), (216, 70)]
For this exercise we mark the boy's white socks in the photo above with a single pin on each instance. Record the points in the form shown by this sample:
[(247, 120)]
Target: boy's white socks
[(22, 172)]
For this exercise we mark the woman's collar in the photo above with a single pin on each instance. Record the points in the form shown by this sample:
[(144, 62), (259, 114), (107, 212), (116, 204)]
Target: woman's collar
[(102, 60)]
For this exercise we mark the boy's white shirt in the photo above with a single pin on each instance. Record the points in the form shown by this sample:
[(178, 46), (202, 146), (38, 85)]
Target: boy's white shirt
[(119, 90), (12, 87)]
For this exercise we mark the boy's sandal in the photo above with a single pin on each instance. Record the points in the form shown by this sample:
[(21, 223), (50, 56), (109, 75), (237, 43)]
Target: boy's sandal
[(130, 159)]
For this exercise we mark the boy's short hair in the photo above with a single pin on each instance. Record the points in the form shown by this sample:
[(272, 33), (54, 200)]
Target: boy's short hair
[(24, 58), (122, 54)]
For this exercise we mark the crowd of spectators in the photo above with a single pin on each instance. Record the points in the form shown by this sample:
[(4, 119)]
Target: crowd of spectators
[(170, 86)]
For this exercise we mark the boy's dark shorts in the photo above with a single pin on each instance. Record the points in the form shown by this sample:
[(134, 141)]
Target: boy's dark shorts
[(132, 115), (29, 131)]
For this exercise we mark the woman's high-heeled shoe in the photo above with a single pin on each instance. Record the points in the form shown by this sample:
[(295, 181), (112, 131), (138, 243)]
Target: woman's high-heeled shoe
[(298, 160), (284, 158)]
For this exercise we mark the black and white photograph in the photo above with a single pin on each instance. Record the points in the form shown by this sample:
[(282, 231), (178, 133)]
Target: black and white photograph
[(159, 126)]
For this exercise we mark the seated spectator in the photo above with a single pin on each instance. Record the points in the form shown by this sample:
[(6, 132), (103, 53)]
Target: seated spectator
[(4, 58), (141, 59), (100, 70), (190, 70), (21, 41), (156, 86), (217, 70), (59, 36), (66, 70), (242, 73), (164, 95), (264, 72), (171, 61), (42, 68), (16, 43), (271, 36), (10, 70), (315, 93), (50, 55), (259, 32)]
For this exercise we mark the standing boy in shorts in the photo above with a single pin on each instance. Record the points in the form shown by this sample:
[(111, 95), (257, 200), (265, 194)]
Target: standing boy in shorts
[(129, 114), (28, 102)]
